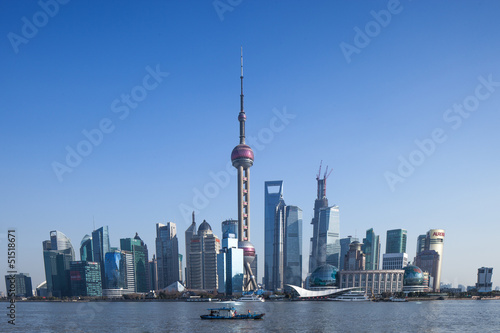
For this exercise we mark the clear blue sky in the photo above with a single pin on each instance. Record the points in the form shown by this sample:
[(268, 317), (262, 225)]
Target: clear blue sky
[(358, 111)]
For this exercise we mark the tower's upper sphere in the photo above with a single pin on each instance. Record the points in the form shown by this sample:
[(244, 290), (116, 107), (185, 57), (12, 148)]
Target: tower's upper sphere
[(242, 155), (242, 116)]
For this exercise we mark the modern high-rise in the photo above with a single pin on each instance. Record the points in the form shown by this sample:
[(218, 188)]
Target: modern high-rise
[(371, 248), (86, 253), (60, 242), (189, 233), (344, 248), (325, 241), (421, 243), (202, 270), (429, 261), (153, 273), (396, 241), (119, 270), (273, 195), (22, 283), (100, 246), (293, 246), (139, 252), (242, 158), (434, 241), (355, 259), (229, 227), (283, 239), (230, 266), (484, 284), (85, 278), (57, 255), (167, 254), (394, 260)]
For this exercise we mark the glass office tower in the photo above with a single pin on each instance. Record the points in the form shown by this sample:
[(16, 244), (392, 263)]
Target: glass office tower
[(100, 246), (272, 196), (139, 252), (167, 254), (293, 246), (86, 249), (371, 248), (396, 241), (85, 278)]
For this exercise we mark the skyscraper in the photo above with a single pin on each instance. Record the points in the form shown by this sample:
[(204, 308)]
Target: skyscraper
[(434, 242), (229, 227), (283, 239), (139, 252), (273, 196), (119, 270), (153, 273), (57, 255), (355, 259), (344, 248), (230, 267), (421, 243), (242, 158), (86, 253), (293, 246), (484, 284), (189, 233), (325, 242), (22, 282), (85, 278), (396, 241), (202, 270), (100, 246), (371, 248), (167, 254)]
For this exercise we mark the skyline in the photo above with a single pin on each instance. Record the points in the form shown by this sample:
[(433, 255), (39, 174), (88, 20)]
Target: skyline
[(305, 101)]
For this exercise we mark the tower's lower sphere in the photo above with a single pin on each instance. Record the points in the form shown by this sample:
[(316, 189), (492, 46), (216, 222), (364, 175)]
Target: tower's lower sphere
[(248, 251)]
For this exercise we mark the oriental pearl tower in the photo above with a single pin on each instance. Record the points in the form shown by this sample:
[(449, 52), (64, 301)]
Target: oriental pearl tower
[(242, 159)]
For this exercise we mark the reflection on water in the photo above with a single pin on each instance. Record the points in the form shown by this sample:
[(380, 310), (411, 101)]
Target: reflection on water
[(430, 316)]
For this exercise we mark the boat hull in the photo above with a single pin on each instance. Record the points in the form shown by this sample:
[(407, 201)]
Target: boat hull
[(240, 316)]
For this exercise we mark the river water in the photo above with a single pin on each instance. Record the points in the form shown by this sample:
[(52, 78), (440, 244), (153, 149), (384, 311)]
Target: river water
[(429, 316)]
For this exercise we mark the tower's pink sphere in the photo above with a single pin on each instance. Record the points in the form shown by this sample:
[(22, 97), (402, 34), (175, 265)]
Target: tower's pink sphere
[(242, 155)]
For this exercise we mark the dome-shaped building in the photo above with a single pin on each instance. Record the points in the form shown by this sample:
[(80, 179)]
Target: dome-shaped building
[(324, 276), (413, 279), (204, 227)]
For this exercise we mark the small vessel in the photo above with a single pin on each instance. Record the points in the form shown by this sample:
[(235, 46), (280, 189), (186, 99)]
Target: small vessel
[(397, 299), (230, 313), (351, 296), (251, 298)]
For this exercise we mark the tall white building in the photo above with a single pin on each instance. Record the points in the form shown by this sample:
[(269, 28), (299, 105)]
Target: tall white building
[(203, 251), (434, 242)]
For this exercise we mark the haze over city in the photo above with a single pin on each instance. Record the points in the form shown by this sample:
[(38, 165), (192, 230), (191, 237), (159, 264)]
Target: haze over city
[(406, 115)]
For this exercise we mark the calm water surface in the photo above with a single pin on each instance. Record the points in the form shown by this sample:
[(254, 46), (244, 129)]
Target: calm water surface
[(431, 316)]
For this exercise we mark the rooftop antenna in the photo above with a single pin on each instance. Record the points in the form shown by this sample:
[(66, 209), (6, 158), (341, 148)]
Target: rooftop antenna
[(93, 221)]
